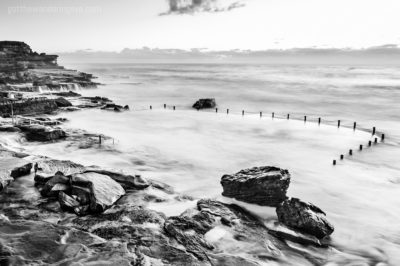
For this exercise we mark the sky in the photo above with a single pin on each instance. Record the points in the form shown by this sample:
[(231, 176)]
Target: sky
[(105, 25)]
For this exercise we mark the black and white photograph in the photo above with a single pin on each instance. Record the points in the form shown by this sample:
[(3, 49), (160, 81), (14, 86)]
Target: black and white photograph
[(200, 132)]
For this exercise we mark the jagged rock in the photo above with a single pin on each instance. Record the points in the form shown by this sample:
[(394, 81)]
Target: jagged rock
[(104, 191), (29, 106), (205, 103), (49, 168), (282, 232), (10, 168), (54, 185), (42, 133), (264, 186), (305, 217), (126, 107), (67, 202), (62, 102), (127, 181)]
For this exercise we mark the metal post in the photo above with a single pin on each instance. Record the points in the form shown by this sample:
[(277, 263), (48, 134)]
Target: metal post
[(99, 139), (165, 106), (319, 120), (334, 162), (338, 123), (227, 111), (373, 131), (361, 147), (174, 107), (376, 140), (12, 113), (383, 137), (273, 114), (341, 156), (260, 114), (350, 152), (288, 116), (354, 125), (369, 143), (305, 119), (216, 110), (242, 112), (151, 107)]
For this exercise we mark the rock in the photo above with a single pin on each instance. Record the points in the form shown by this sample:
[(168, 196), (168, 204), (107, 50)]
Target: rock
[(9, 128), (54, 185), (42, 133), (126, 107), (12, 167), (29, 106), (67, 202), (104, 191), (62, 102), (285, 233), (205, 103), (127, 181), (67, 94), (304, 217), (264, 186), (49, 168)]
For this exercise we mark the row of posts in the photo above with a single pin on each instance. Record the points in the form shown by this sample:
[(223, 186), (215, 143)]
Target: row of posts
[(319, 122)]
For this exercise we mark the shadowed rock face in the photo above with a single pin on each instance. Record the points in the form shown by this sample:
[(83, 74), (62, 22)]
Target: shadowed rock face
[(264, 186), (305, 217), (12, 167)]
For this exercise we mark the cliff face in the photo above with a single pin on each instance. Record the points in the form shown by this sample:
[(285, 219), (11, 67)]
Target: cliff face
[(19, 64), (28, 107)]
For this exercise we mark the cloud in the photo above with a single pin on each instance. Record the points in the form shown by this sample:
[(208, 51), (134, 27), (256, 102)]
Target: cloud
[(195, 6)]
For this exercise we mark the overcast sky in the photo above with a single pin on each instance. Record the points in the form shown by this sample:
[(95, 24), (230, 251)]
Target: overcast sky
[(61, 25)]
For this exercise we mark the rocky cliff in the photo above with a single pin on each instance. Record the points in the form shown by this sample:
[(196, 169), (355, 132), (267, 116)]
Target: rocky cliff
[(20, 65)]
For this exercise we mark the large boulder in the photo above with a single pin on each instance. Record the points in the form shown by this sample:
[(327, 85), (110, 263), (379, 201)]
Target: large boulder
[(205, 103), (127, 181), (42, 133), (266, 185), (304, 217), (101, 190)]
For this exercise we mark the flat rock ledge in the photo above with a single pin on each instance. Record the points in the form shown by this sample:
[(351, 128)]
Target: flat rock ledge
[(304, 217), (266, 185)]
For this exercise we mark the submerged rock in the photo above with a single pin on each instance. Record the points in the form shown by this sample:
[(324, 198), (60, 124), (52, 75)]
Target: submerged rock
[(265, 185), (305, 217), (205, 103), (42, 133)]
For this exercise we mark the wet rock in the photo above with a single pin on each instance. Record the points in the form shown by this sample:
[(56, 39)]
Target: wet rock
[(104, 191), (264, 186), (285, 233), (304, 217), (9, 128), (205, 103), (42, 133), (49, 168), (127, 181), (62, 102), (12, 167), (54, 185)]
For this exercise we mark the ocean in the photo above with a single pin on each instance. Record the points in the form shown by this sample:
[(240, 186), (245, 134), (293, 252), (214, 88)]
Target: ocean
[(191, 150)]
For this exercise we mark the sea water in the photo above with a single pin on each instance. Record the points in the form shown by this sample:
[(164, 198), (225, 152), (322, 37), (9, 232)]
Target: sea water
[(191, 150)]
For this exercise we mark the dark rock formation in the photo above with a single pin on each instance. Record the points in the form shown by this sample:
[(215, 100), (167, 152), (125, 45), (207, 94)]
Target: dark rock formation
[(305, 217), (205, 103), (9, 128), (127, 181), (19, 64), (265, 185), (285, 233), (62, 102), (42, 133), (29, 106), (67, 94)]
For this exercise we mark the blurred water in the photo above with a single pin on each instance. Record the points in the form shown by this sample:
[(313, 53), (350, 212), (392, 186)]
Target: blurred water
[(191, 150)]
